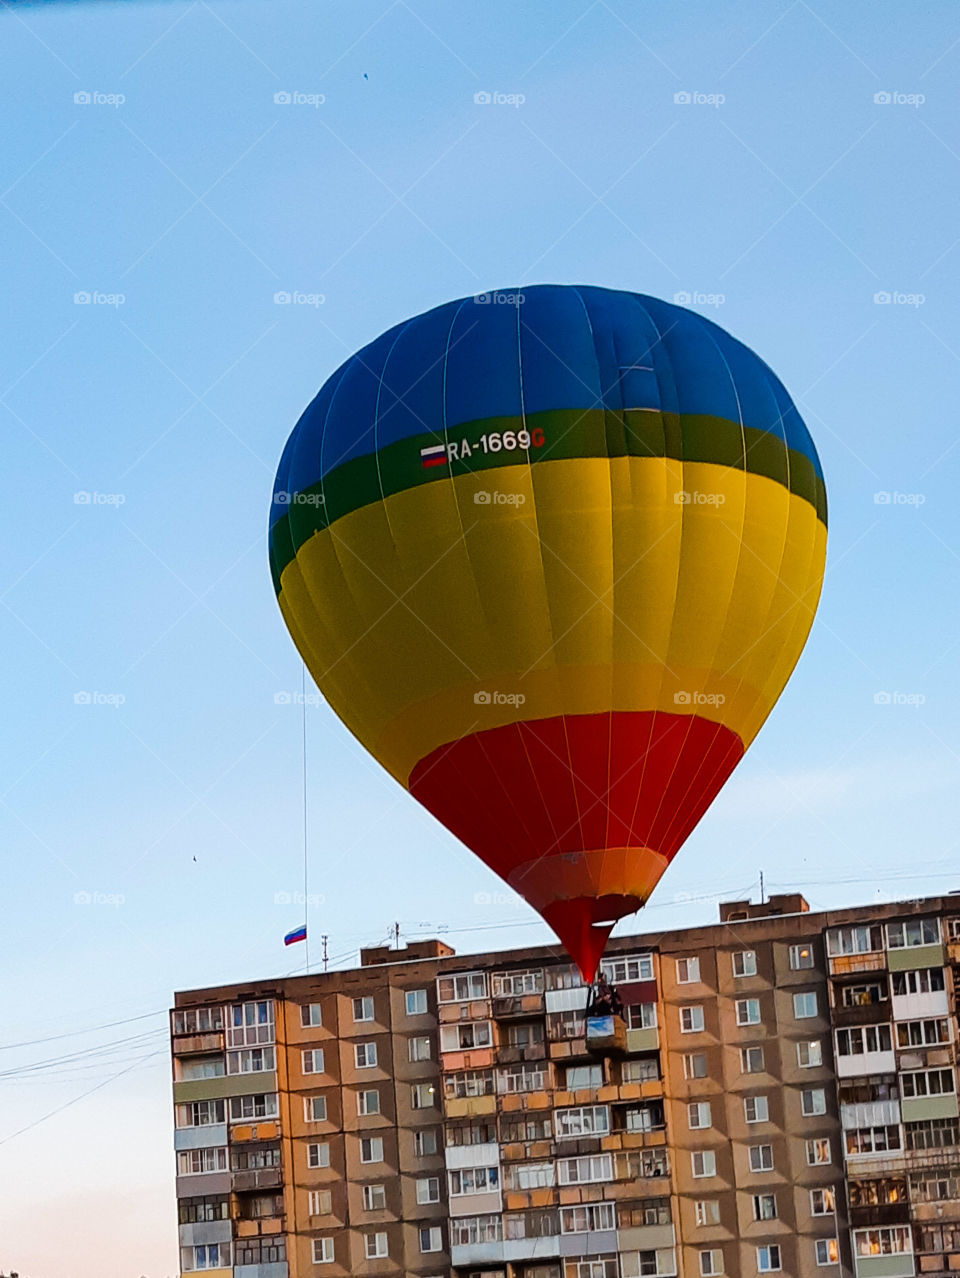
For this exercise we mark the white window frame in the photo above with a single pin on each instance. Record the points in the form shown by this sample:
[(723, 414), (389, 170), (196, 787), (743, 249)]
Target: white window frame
[(374, 1197), (827, 1192), (418, 1091), (426, 1184), (381, 1245), (765, 1265), (308, 1061), (688, 971), (688, 1065), (689, 1018), (413, 1052), (699, 1115), (367, 1050), (434, 1237), (367, 1009), (819, 1105), (314, 1109), (746, 960), (811, 1148), (419, 1000), (746, 1007), (745, 1054), (628, 969), (707, 1161), (598, 1123), (801, 1002), (758, 1200), (322, 1250), (912, 934), (363, 1102), (318, 1155), (707, 1211), (761, 1106), (814, 1057), (708, 1268), (827, 1242), (375, 1144), (315, 1199), (311, 1015), (799, 952), (763, 1152)]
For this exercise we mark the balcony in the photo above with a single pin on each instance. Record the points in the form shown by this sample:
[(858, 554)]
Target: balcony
[(195, 1044), (882, 1113), (866, 1063), (606, 1034), (260, 1178), (507, 1008), (847, 964), (877, 1214), (861, 1014), (515, 1055), (915, 1007)]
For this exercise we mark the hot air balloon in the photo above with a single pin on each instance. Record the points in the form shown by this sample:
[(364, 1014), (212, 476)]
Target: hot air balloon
[(552, 556)]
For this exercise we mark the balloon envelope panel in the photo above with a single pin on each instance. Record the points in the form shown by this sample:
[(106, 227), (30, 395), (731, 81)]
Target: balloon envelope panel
[(552, 558)]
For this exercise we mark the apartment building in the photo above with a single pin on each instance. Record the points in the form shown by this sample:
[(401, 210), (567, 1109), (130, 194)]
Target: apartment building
[(779, 1096)]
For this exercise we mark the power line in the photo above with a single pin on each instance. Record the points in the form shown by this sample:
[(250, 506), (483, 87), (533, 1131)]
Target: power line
[(53, 1038)]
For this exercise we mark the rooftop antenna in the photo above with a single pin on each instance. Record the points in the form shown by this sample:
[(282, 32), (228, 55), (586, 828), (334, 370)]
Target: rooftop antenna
[(396, 936), (325, 938), (763, 899)]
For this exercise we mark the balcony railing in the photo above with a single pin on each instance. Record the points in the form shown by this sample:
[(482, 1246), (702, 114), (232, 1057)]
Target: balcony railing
[(193, 1044), (260, 1178)]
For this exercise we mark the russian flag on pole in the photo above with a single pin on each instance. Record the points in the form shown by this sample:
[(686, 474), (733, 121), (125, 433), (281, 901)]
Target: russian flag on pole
[(298, 934)]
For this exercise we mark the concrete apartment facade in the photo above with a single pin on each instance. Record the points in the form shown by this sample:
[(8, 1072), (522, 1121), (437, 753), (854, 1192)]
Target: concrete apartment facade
[(781, 1098)]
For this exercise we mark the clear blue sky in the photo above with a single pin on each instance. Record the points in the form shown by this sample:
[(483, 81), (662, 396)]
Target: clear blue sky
[(797, 199)]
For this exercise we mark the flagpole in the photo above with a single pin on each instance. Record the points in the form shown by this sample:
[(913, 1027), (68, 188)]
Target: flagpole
[(303, 710)]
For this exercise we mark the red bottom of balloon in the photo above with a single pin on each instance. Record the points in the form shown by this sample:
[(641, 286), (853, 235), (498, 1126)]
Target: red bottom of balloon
[(581, 814)]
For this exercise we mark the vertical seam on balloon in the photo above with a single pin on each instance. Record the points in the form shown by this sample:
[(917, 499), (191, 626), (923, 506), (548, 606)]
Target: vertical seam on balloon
[(376, 426)]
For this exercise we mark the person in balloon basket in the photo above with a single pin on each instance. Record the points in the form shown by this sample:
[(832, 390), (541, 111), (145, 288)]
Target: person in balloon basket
[(606, 1001)]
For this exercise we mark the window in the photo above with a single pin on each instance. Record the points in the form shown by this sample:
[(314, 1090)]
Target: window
[(525, 1033), (933, 1082), (695, 1065), (200, 1162), (818, 1151), (708, 1211), (430, 1239), (813, 1100), (688, 971), (428, 1189), (894, 1240), (254, 1157), (643, 1069), (823, 1202), (425, 1142), (577, 1076), (641, 1016), (588, 1218), (310, 1017), (764, 1206), (523, 1078), (768, 1258), (921, 980), (756, 1109), (371, 1149), (751, 1060), (365, 1055), (311, 1061), (250, 1023), (933, 1133), (761, 1158), (471, 1082), (809, 1053), (745, 963), (320, 1202), (368, 1102), (711, 1262), (748, 1011), (860, 1039), (864, 993), (872, 1140), (363, 1009), (588, 1169), (933, 1187), (419, 1048), (465, 1035), (691, 1019), (462, 988), (189, 1070), (827, 1251), (805, 1005), (468, 1230), (423, 1096), (913, 933), (206, 1256), (415, 1002), (801, 956), (516, 984), (628, 969), (923, 1033), (318, 1155), (473, 1180), (201, 1114), (374, 1198), (375, 1246), (193, 1211), (314, 1109), (323, 1251), (854, 940), (587, 1120), (252, 1060), (698, 1115), (703, 1162), (198, 1020)]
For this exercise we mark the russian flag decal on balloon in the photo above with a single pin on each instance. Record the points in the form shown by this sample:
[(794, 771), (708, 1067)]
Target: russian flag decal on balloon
[(603, 595)]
